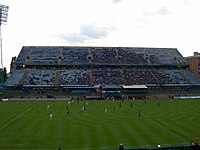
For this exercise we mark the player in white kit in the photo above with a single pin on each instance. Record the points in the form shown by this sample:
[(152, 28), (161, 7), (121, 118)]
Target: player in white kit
[(51, 116)]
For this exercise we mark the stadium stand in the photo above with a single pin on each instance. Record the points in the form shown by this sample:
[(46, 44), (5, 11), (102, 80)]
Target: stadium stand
[(62, 66), (170, 77), (40, 77), (15, 79), (31, 55), (139, 76), (192, 78), (74, 77), (107, 77)]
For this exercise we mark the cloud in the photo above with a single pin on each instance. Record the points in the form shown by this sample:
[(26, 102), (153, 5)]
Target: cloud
[(73, 37), (141, 22), (87, 32), (162, 11), (147, 13), (92, 32), (116, 1), (185, 2)]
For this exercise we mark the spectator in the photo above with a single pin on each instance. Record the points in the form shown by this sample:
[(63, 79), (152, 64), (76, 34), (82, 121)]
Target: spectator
[(193, 144), (196, 143)]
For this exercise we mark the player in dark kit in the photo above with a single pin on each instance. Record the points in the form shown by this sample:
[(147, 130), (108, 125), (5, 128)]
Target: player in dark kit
[(139, 113), (120, 104), (121, 147)]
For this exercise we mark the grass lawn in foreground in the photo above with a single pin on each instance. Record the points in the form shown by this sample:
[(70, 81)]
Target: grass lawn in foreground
[(26, 124)]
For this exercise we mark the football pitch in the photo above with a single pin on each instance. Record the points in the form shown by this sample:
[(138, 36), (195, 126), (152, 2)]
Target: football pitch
[(103, 125)]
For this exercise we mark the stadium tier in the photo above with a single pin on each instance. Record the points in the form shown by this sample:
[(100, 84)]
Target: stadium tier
[(61, 66), (99, 56)]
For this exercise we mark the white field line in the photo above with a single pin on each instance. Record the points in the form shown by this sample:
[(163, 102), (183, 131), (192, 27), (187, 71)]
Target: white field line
[(163, 127), (101, 148), (5, 118), (17, 117)]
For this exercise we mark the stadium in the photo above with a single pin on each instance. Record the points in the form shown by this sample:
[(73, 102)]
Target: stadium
[(141, 97), (101, 72)]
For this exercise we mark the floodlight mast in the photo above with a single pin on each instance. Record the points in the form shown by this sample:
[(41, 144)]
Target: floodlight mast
[(3, 21)]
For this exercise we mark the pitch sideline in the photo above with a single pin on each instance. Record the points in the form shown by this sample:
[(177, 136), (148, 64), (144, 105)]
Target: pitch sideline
[(17, 117)]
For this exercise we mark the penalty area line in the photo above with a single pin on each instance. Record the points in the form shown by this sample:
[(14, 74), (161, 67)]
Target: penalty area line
[(168, 130), (88, 148), (161, 126), (17, 117)]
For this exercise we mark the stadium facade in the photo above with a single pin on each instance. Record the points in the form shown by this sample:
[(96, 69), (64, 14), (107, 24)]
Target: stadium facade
[(194, 64), (54, 71)]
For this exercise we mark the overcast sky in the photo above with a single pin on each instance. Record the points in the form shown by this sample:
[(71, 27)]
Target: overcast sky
[(133, 23)]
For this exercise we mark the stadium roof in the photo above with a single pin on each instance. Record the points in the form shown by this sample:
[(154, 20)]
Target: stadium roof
[(77, 86), (111, 87), (134, 86)]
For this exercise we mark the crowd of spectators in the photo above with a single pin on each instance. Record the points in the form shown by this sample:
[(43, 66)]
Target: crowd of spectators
[(139, 76), (98, 76), (121, 66), (107, 77), (74, 77), (74, 55), (104, 55), (170, 77), (162, 56), (40, 77), (99, 55), (130, 56)]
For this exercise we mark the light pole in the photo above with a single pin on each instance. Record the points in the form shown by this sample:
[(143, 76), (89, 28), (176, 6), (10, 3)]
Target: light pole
[(3, 21)]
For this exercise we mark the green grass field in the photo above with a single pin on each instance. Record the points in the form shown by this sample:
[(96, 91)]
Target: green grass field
[(26, 124)]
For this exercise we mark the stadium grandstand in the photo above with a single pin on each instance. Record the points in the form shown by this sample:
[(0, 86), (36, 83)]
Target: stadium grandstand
[(59, 71)]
